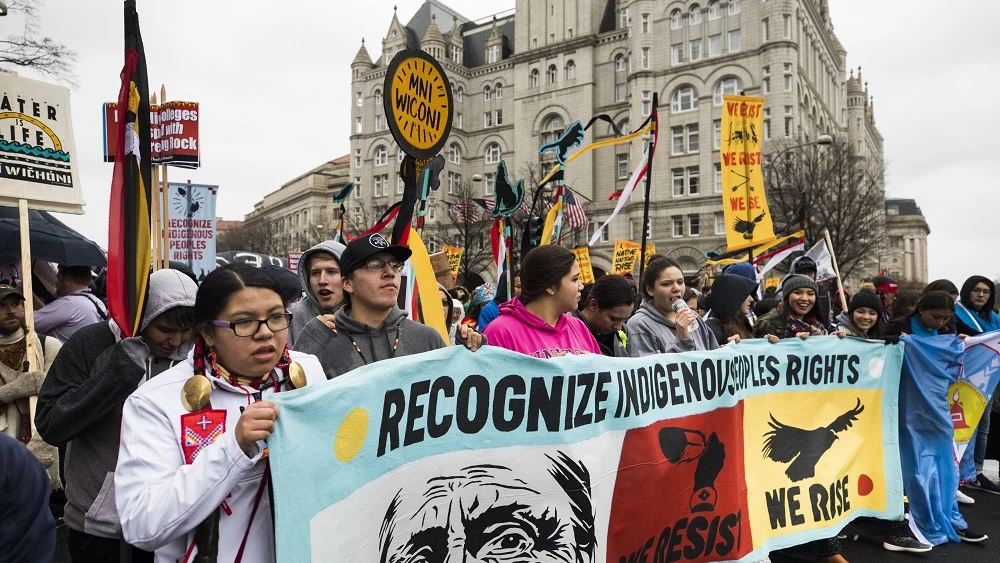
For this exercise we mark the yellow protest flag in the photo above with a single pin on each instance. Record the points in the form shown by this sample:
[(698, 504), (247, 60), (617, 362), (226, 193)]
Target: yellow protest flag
[(586, 268), (550, 224), (744, 204), (454, 258), (650, 251), (626, 254)]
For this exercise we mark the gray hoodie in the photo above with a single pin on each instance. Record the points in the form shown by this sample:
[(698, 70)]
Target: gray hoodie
[(80, 403), (308, 309), (336, 351), (649, 332)]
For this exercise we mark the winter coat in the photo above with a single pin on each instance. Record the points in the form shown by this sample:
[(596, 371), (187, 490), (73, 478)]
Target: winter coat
[(729, 291), (968, 320), (308, 308), (901, 325), (27, 529), (518, 329), (650, 332)]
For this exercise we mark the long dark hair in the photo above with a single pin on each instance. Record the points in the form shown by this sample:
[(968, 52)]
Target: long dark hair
[(611, 291), (220, 286), (653, 272), (934, 300), (544, 267), (941, 285)]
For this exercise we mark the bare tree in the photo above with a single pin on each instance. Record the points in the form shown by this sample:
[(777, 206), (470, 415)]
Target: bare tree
[(27, 48), (832, 188), (466, 225), (258, 236)]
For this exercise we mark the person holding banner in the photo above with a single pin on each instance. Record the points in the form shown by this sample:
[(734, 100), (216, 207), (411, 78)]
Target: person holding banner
[(539, 323), (664, 323), (608, 305), (863, 318), (932, 316), (319, 275), (729, 302), (798, 314)]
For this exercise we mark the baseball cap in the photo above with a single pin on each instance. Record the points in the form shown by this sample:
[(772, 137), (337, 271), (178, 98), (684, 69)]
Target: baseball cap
[(361, 249), (7, 290)]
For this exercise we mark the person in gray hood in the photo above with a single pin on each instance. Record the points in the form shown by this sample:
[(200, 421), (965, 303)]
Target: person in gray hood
[(657, 327), (371, 327), (80, 405), (321, 278)]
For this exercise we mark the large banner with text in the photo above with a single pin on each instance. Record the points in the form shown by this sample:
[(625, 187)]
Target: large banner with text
[(744, 203), (191, 226), (492, 455)]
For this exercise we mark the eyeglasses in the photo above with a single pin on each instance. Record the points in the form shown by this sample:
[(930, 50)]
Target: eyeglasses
[(250, 327), (379, 265), (980, 291)]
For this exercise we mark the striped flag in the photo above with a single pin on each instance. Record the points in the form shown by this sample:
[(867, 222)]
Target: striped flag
[(486, 204), (129, 252), (575, 216), (466, 212)]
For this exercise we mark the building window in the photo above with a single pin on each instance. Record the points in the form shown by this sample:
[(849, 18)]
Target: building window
[(764, 31), (693, 180), (676, 53), (570, 70), (720, 223), (716, 134), (620, 63), (765, 85), (498, 90), (728, 85), (533, 78), (570, 31), (692, 138), (694, 228), (714, 12), (493, 55), (788, 124), (734, 7), (552, 38), (677, 222), (677, 179), (488, 119), (499, 117), (432, 213), (487, 93), (647, 102), (677, 140), (491, 183), (454, 154), (605, 234), (695, 49), (381, 185), (381, 156), (492, 153), (357, 158), (788, 77), (644, 23), (786, 20), (378, 98), (360, 99), (622, 166), (551, 75), (400, 186), (685, 98), (623, 19), (552, 128), (645, 58), (694, 15), (675, 19), (718, 178), (619, 92), (357, 187), (454, 182), (357, 125), (378, 123), (767, 124), (458, 120), (714, 45), (459, 94), (734, 40)]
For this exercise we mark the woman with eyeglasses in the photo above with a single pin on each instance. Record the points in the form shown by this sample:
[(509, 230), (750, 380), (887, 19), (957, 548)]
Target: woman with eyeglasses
[(192, 478)]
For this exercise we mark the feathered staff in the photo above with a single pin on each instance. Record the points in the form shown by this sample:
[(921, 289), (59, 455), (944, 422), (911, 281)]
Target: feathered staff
[(339, 198), (509, 199)]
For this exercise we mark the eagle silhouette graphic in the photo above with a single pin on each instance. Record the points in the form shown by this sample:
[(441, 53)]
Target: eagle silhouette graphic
[(786, 443)]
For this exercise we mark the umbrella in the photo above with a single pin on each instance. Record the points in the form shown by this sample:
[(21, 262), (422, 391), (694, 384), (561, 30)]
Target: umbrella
[(51, 240)]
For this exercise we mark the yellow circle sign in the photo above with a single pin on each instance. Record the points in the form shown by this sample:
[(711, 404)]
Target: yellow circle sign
[(417, 103)]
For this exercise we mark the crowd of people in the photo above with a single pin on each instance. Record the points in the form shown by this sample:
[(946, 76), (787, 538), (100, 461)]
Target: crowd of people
[(117, 420)]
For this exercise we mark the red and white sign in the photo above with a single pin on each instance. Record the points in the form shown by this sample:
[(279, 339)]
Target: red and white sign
[(200, 429), (293, 261), (173, 133)]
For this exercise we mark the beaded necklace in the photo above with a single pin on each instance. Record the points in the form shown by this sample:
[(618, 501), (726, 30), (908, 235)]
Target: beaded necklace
[(395, 344), (200, 357)]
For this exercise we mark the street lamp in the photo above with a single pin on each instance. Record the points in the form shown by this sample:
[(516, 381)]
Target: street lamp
[(3, 9)]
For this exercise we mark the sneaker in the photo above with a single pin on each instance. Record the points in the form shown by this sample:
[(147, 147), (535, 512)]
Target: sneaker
[(901, 543), (983, 483), (964, 498), (968, 535)]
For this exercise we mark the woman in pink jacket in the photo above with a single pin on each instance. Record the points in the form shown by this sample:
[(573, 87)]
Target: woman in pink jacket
[(539, 323)]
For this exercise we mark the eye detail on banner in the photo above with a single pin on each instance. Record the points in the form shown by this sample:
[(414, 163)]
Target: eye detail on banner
[(418, 103), (351, 435)]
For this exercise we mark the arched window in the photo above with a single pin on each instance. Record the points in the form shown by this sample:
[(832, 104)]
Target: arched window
[(552, 128), (694, 16), (459, 94), (685, 98), (675, 19), (498, 90), (487, 93), (492, 153), (552, 74), (714, 12), (570, 70), (728, 85), (381, 156), (454, 154), (534, 78), (623, 126), (378, 99), (620, 63), (734, 7)]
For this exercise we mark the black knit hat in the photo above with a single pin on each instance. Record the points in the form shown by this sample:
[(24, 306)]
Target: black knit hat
[(865, 299)]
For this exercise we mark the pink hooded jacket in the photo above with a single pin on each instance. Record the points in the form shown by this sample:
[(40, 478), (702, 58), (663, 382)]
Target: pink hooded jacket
[(518, 330)]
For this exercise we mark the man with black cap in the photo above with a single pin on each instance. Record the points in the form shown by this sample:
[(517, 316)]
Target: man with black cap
[(371, 327)]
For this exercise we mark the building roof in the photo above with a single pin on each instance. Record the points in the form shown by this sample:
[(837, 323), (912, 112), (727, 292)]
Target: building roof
[(362, 57), (902, 207), (346, 159)]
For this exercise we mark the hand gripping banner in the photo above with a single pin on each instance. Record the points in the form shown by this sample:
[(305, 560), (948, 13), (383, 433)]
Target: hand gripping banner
[(491, 455)]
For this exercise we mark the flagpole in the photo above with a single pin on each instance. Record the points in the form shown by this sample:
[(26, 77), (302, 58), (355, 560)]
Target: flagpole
[(154, 223), (163, 197), (649, 178), (836, 269)]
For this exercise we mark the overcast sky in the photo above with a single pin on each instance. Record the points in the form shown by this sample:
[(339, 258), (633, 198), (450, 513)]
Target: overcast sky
[(273, 80)]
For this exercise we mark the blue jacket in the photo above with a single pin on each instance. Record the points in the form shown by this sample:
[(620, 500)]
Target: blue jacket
[(27, 529)]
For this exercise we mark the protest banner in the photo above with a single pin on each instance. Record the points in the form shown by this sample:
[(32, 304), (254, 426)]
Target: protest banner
[(174, 136), (586, 268), (650, 252), (744, 204), (417, 103), (626, 254), (293, 261), (442, 269), (191, 226), (454, 259), (970, 395), (701, 456), (38, 160)]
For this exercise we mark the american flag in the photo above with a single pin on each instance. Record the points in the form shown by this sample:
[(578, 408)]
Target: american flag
[(466, 212), (486, 204), (573, 211)]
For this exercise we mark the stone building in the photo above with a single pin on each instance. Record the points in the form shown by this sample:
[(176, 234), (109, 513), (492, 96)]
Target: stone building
[(521, 77), (906, 241)]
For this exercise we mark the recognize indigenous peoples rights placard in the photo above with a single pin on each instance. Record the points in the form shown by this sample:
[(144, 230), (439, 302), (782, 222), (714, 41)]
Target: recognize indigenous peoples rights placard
[(702, 456)]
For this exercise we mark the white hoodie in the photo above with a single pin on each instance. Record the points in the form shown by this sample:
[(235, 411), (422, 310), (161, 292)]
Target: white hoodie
[(161, 500)]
